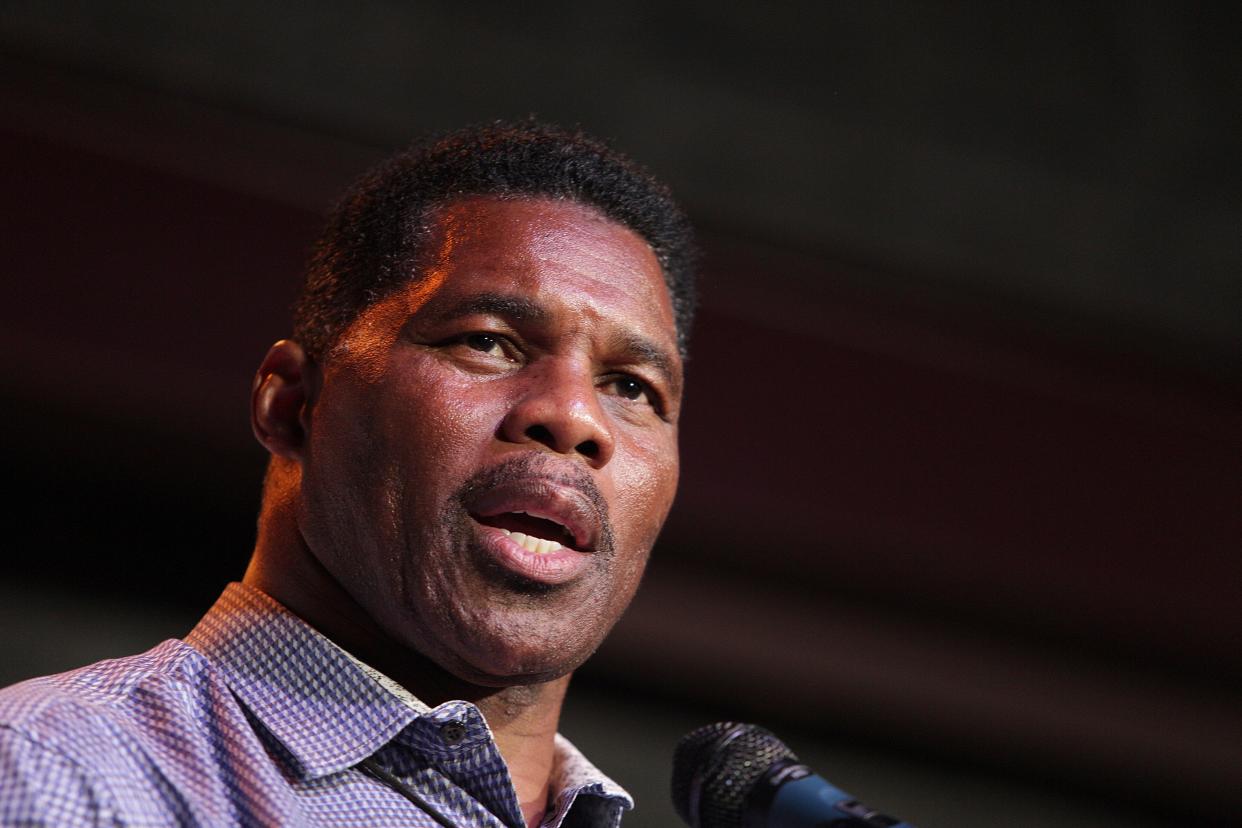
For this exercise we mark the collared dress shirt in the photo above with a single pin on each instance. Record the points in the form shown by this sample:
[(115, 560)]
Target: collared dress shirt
[(257, 719)]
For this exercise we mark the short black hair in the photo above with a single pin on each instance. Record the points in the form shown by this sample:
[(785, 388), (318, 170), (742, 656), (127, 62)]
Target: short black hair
[(373, 240)]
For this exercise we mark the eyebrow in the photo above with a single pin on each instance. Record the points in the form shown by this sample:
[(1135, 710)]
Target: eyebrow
[(516, 308)]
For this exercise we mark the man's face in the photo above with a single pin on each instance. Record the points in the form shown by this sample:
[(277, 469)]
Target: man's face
[(528, 384)]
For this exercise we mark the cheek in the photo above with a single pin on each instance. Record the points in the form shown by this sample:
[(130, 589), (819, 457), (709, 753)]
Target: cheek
[(441, 418), (645, 488), (437, 434), (458, 428), (342, 445), (349, 491)]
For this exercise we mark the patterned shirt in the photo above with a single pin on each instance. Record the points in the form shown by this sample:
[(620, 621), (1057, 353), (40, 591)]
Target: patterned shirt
[(257, 719)]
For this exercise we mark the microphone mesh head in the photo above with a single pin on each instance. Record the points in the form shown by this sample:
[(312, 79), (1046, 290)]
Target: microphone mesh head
[(715, 767)]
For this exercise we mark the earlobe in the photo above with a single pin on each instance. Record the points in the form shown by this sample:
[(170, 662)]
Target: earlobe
[(280, 399)]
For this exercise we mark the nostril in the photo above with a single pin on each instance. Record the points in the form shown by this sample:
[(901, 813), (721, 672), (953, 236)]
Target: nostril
[(544, 435), (540, 434)]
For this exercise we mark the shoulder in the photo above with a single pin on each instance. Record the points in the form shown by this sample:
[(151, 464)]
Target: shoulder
[(41, 785), (62, 709), (76, 746)]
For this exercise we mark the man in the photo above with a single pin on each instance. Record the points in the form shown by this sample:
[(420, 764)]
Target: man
[(473, 438)]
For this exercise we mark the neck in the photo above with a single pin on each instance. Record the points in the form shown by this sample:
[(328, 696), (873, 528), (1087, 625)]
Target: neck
[(522, 718)]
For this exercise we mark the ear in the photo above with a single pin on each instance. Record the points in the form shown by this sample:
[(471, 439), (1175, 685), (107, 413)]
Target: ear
[(280, 400)]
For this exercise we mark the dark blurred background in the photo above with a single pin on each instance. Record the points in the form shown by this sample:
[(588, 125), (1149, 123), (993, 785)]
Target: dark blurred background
[(960, 513)]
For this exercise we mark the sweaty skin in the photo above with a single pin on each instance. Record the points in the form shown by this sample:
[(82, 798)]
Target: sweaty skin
[(528, 380)]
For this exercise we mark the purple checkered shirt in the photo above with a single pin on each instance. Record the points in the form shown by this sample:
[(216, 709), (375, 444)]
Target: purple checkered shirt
[(257, 719)]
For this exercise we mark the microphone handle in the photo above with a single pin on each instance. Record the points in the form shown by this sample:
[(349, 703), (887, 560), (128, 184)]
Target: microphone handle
[(791, 795)]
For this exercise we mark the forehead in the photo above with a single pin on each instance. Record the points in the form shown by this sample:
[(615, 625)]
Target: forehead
[(561, 253)]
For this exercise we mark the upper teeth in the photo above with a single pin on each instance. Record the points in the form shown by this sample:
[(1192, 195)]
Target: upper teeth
[(531, 543)]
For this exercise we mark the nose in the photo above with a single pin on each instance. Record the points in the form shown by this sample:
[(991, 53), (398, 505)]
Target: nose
[(559, 408)]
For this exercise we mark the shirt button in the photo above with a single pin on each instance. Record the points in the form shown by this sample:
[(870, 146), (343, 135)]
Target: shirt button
[(453, 732)]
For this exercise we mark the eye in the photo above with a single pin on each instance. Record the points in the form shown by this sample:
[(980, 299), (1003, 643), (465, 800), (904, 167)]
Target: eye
[(631, 388), (484, 343), (483, 350)]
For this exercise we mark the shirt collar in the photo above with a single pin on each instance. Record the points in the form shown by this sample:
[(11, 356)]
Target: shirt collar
[(307, 692), (328, 709), (573, 775)]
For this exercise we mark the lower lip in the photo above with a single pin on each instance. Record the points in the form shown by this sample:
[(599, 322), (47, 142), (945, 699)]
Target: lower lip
[(552, 568)]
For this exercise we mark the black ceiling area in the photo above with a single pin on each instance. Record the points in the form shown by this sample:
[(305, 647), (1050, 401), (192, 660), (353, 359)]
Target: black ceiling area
[(962, 450)]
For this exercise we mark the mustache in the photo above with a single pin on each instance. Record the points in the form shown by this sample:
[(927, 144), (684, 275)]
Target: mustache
[(527, 467)]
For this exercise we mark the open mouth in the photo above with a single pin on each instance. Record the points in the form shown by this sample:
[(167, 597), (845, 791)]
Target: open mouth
[(533, 533), (544, 528)]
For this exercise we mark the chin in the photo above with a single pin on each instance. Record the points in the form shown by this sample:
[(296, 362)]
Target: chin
[(507, 660), (500, 681), (511, 667)]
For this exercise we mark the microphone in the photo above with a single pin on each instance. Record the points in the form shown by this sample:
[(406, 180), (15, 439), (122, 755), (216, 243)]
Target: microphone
[(731, 775)]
